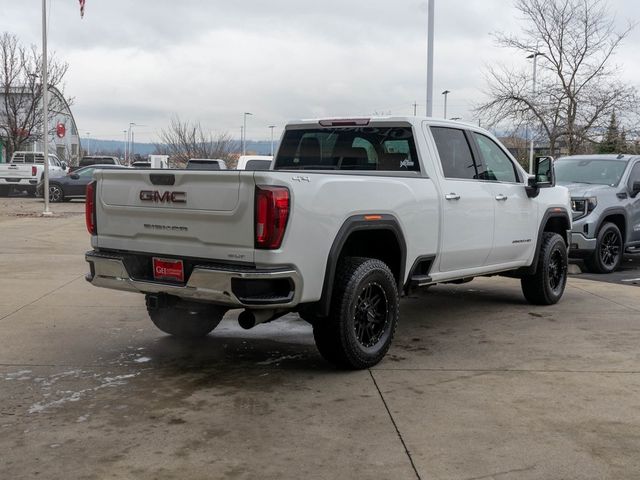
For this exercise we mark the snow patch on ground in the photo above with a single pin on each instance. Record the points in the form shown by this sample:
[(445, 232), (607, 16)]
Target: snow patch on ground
[(70, 396)]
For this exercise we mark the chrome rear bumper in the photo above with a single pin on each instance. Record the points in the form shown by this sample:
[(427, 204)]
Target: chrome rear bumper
[(206, 283)]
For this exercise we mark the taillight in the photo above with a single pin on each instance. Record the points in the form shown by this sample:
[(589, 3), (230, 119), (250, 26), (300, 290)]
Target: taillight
[(34, 170), (90, 208), (272, 212)]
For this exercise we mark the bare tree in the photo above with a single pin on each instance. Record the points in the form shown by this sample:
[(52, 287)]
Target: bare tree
[(21, 91), (577, 87), (185, 140)]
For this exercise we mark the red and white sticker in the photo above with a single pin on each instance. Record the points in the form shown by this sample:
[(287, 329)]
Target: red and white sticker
[(167, 269)]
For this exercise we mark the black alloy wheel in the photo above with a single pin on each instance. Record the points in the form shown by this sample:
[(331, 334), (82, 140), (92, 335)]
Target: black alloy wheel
[(609, 250), (546, 286), (371, 315), (364, 314), (557, 273)]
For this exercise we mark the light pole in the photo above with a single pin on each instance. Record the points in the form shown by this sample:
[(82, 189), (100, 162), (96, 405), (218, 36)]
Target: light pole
[(125, 145), (445, 93), (535, 56), (244, 133), (130, 138), (272, 127), (45, 110), (430, 59), (88, 143)]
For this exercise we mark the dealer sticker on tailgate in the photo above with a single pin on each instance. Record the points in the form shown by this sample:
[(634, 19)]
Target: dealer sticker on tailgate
[(168, 269)]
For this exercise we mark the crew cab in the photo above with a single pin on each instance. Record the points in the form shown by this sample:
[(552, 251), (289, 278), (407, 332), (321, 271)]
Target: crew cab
[(26, 170), (353, 214)]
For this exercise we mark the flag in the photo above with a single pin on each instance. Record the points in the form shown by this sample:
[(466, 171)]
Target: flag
[(81, 8)]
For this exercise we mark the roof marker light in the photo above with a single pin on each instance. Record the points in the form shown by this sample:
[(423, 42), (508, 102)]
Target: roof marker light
[(345, 122)]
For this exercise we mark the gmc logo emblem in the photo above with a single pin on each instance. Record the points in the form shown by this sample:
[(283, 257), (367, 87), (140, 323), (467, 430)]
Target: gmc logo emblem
[(164, 197)]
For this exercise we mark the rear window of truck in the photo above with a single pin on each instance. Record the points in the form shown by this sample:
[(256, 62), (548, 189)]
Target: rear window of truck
[(389, 149)]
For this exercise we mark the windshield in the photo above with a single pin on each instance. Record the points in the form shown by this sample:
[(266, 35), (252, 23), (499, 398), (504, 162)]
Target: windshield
[(360, 148), (590, 171)]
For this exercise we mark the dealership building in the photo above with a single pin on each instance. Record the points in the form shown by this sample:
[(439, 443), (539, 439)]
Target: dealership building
[(64, 140)]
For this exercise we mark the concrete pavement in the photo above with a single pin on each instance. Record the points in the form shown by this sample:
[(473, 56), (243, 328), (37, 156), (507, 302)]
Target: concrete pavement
[(478, 384)]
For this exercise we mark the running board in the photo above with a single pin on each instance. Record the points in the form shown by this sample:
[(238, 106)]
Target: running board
[(421, 280)]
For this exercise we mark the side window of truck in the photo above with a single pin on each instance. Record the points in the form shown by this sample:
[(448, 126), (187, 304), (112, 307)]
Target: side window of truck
[(455, 153), (634, 176), (495, 164)]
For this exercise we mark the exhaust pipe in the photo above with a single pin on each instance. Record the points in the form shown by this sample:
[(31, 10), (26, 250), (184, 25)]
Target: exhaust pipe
[(250, 318)]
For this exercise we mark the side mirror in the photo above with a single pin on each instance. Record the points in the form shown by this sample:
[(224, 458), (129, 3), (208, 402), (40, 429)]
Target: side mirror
[(64, 165), (543, 176), (74, 176), (635, 189)]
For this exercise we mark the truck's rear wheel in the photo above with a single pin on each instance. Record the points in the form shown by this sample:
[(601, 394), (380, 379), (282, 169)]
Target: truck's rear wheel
[(364, 314), (547, 285), (608, 254), (185, 319), (4, 190)]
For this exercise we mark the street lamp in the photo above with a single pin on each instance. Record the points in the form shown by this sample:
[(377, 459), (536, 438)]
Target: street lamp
[(125, 145), (130, 138), (45, 110), (445, 93), (431, 9), (88, 143), (272, 127), (535, 56), (244, 133)]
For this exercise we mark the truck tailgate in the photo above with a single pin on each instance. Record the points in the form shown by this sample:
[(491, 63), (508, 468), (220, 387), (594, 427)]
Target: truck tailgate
[(15, 171), (205, 215)]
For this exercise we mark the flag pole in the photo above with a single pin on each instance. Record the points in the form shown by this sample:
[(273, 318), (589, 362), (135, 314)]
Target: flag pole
[(45, 110)]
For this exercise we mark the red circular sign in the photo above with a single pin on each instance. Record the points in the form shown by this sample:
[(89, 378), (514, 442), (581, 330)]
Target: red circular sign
[(61, 130)]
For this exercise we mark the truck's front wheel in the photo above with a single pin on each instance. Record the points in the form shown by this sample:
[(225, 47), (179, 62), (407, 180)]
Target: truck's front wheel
[(185, 319), (547, 285), (364, 315), (609, 250)]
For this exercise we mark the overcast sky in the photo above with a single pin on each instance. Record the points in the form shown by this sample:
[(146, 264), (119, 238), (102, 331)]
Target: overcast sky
[(142, 61)]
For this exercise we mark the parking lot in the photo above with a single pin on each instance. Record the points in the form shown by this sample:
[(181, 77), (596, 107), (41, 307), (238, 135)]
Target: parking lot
[(478, 384)]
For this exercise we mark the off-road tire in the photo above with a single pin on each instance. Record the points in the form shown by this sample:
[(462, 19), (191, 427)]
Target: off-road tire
[(547, 285), (185, 319), (609, 251), (363, 316)]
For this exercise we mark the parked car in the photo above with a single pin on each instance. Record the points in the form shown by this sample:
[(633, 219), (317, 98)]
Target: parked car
[(88, 160), (353, 214), (254, 162), (606, 207), (206, 164), (74, 185), (26, 169), (154, 161)]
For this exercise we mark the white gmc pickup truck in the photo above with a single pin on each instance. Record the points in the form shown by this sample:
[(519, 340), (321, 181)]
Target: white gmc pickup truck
[(352, 214), (26, 170)]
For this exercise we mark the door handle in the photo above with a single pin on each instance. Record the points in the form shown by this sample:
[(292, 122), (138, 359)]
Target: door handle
[(501, 198), (452, 196)]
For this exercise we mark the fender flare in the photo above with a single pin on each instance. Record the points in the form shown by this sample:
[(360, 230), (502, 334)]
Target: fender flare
[(354, 224), (549, 214), (613, 211)]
